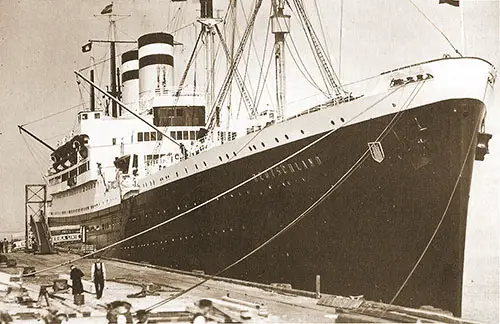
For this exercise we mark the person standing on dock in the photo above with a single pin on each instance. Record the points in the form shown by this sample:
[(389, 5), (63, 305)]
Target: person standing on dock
[(4, 245), (76, 278), (98, 275)]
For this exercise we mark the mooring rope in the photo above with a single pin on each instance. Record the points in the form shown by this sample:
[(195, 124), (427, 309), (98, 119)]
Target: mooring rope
[(221, 194), (311, 207), (437, 226)]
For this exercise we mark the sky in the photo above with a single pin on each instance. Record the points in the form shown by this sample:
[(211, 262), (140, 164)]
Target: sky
[(40, 47)]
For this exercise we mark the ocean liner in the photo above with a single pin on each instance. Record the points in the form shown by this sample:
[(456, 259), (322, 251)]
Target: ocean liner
[(360, 188)]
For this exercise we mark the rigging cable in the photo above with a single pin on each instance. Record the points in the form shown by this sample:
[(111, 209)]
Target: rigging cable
[(259, 62), (311, 207), (226, 84), (216, 197), (173, 18), (245, 75), (302, 67), (264, 80), (340, 36), (437, 226), (34, 159), (180, 17), (329, 76), (59, 135), (437, 28), (246, 61), (321, 28), (54, 114)]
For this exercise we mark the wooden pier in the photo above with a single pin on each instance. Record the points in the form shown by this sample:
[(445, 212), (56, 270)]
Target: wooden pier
[(144, 285)]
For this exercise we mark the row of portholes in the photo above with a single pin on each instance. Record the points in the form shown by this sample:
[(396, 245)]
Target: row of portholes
[(227, 156), (232, 195), (180, 238), (82, 209), (341, 119), (247, 192), (153, 183), (254, 148), (251, 148)]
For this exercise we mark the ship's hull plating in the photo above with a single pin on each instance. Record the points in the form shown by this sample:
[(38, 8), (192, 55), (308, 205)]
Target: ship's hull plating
[(364, 238)]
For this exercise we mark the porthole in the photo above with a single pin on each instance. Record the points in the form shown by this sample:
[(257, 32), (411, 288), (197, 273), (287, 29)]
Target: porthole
[(263, 145), (302, 131), (204, 163), (277, 140), (341, 119), (196, 166), (227, 156), (286, 136), (177, 174), (220, 158), (250, 148), (185, 169), (255, 148), (234, 153), (332, 122)]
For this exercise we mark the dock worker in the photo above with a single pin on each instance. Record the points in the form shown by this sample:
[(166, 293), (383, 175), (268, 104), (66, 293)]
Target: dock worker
[(98, 276), (5, 244), (76, 278)]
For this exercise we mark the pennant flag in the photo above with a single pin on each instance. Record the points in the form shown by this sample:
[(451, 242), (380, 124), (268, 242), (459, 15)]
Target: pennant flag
[(108, 9), (454, 3), (87, 47)]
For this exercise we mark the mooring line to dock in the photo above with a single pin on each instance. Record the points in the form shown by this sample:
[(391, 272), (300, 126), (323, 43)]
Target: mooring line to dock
[(438, 224), (316, 203), (327, 134)]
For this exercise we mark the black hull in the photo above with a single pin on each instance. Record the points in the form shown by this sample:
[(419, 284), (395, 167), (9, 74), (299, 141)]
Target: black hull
[(363, 239)]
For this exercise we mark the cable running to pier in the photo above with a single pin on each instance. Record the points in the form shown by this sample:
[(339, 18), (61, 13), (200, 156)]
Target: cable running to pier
[(222, 193)]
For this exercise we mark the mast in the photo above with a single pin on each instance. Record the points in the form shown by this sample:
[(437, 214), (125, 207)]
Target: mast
[(232, 6), (280, 27), (92, 92), (112, 67), (208, 24)]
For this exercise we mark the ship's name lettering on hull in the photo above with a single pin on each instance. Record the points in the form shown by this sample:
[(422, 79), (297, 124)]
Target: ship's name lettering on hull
[(289, 168)]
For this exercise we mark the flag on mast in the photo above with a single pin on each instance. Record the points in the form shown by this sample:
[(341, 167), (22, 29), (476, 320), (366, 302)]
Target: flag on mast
[(108, 9), (87, 47), (454, 3)]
